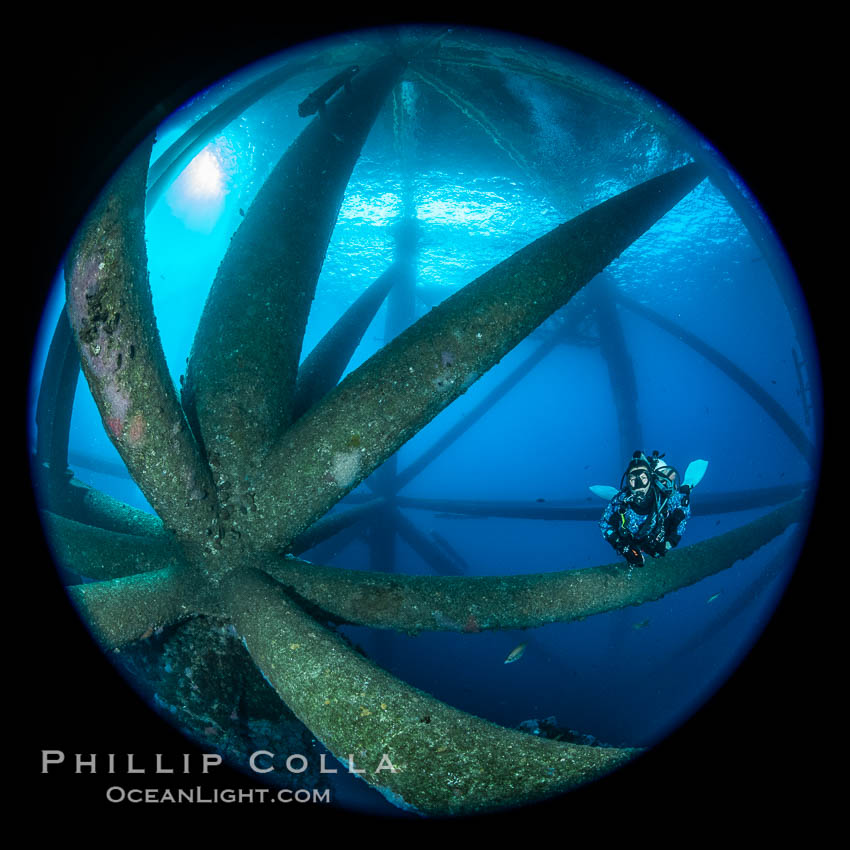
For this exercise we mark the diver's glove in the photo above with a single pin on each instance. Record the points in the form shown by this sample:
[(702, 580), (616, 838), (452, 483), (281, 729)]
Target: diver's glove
[(633, 555), (623, 544)]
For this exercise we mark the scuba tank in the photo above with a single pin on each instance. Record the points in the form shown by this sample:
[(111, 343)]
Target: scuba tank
[(664, 477)]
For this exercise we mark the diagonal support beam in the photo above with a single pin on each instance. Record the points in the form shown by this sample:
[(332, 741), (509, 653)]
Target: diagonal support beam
[(378, 407), (425, 548), (451, 553), (472, 604), (321, 370), (124, 609), (98, 554), (110, 309), (327, 550), (453, 96), (85, 504), (770, 406), (446, 762), (242, 370)]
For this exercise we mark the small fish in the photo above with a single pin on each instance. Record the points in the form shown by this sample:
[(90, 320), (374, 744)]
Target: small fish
[(515, 654), (641, 625), (711, 598)]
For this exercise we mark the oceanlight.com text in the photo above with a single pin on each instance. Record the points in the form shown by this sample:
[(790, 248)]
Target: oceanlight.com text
[(117, 794)]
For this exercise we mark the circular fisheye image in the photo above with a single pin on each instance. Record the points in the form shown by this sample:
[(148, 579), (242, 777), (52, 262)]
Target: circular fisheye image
[(424, 421)]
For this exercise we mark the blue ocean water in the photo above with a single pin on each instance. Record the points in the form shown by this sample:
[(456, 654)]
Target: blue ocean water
[(480, 192)]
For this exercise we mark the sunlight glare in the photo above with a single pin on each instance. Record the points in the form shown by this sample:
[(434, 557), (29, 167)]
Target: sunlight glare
[(197, 196)]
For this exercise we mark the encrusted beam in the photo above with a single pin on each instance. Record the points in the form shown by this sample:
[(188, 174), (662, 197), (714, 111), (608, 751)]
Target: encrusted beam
[(420, 753), (98, 554), (476, 603), (242, 371), (126, 609), (111, 312), (78, 501)]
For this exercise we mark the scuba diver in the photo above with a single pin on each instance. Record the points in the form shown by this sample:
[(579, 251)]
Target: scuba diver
[(649, 512)]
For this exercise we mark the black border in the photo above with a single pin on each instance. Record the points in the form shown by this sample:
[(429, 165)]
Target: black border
[(747, 755)]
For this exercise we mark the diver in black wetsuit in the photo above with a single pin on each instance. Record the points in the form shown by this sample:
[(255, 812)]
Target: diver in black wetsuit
[(649, 513)]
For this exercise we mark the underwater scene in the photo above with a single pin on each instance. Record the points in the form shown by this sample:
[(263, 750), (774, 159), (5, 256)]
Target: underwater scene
[(425, 420)]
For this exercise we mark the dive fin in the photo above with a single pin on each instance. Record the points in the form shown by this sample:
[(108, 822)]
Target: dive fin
[(694, 473), (604, 491)]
